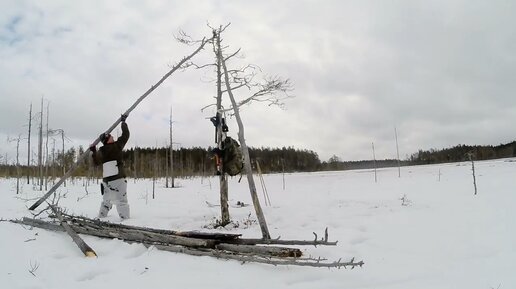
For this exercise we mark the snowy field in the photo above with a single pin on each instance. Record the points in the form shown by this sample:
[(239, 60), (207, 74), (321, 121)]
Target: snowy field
[(441, 237)]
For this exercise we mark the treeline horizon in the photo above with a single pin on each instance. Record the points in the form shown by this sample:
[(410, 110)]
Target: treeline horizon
[(197, 161)]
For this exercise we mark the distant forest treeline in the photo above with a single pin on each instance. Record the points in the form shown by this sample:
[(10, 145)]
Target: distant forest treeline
[(155, 162)]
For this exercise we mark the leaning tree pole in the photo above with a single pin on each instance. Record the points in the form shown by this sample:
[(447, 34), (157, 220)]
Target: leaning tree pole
[(86, 153), (247, 159)]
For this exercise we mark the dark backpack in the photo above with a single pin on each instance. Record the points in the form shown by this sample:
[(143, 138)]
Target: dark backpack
[(232, 160)]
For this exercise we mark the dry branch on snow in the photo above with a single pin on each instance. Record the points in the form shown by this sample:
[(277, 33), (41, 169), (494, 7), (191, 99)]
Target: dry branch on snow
[(219, 245)]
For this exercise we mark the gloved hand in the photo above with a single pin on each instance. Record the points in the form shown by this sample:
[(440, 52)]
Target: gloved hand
[(93, 148), (123, 117)]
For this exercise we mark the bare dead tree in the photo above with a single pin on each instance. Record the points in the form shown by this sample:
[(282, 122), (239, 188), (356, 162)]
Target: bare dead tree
[(270, 90), (470, 157), (220, 134), (28, 144), (40, 147), (374, 164), (46, 149), (171, 155), (397, 152), (18, 175), (155, 168), (60, 131)]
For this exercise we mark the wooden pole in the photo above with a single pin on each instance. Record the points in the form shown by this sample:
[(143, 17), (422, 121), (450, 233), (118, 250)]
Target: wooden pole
[(397, 152), (247, 160), (86, 250), (40, 147), (262, 182), (110, 129), (224, 207), (171, 155), (374, 164), (28, 145)]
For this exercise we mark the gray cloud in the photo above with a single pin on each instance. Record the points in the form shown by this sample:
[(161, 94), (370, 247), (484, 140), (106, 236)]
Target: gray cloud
[(442, 73)]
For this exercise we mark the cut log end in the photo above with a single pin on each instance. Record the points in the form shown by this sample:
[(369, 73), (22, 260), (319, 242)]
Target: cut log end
[(90, 254)]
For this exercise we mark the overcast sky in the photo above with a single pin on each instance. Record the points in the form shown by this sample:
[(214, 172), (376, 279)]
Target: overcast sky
[(442, 72)]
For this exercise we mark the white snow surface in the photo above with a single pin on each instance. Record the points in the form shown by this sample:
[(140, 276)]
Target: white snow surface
[(446, 237)]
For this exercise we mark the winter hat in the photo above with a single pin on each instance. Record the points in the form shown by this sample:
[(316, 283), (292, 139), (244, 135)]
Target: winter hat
[(104, 137)]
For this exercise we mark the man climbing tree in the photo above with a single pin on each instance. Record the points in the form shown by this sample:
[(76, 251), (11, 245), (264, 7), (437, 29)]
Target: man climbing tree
[(114, 185)]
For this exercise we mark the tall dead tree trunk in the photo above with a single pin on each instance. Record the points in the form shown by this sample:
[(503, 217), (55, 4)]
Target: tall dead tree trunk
[(136, 163), (397, 152), (470, 156), (63, 155), (374, 164), (40, 148), (46, 151), (28, 145), (167, 173), (171, 154), (18, 174), (247, 159), (224, 207)]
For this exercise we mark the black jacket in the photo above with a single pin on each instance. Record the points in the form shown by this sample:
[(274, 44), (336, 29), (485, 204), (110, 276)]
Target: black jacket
[(113, 152)]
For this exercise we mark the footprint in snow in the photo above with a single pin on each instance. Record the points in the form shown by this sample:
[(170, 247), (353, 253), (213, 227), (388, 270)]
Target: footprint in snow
[(91, 275)]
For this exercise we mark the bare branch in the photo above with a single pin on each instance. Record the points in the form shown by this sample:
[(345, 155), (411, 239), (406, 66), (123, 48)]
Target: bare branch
[(232, 55), (33, 267)]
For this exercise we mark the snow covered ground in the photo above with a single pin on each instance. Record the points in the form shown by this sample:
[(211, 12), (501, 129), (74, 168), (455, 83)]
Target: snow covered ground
[(443, 237)]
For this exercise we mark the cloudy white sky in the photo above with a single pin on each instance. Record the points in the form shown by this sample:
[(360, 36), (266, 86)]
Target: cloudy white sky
[(442, 72)]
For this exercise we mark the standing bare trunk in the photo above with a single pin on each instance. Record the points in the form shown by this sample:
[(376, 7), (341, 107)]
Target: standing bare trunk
[(224, 207), (18, 164), (247, 159), (18, 175), (63, 156), (155, 173), (283, 170), (167, 174), (374, 164), (28, 145), (136, 163), (397, 152), (470, 156), (46, 151), (171, 155), (40, 148)]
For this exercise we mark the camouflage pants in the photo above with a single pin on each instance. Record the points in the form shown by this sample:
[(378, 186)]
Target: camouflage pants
[(115, 193)]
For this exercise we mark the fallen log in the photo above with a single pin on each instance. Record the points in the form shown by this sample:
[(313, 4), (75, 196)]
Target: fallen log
[(214, 248), (85, 248), (244, 241), (128, 234), (222, 237), (260, 250), (124, 234), (261, 259)]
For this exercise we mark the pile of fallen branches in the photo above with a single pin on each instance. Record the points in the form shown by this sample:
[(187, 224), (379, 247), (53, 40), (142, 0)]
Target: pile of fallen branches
[(219, 245)]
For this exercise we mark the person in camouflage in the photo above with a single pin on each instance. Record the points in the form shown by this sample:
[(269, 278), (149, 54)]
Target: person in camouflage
[(114, 184)]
